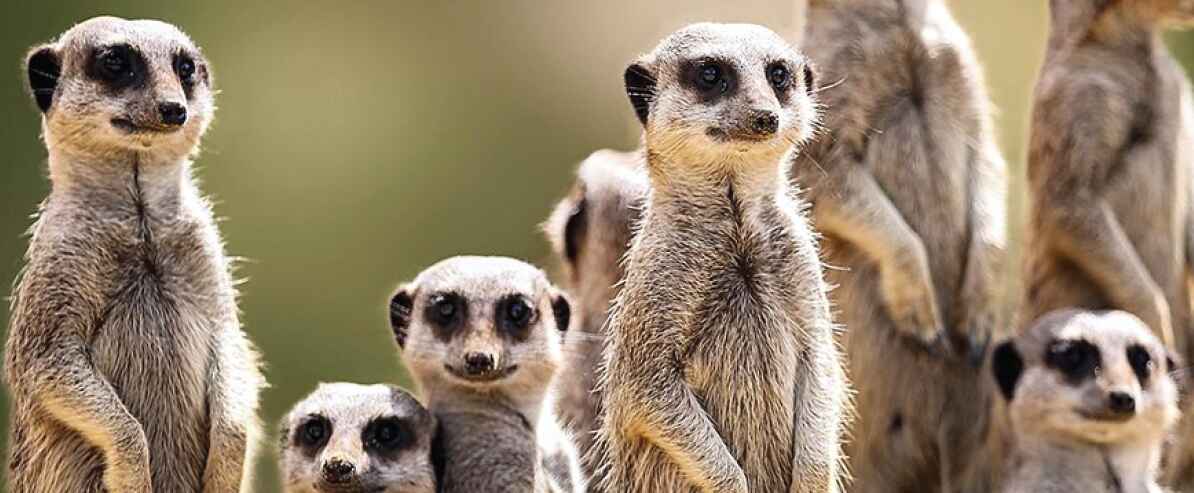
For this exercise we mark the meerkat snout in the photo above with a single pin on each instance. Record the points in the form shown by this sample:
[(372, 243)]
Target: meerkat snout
[(172, 114)]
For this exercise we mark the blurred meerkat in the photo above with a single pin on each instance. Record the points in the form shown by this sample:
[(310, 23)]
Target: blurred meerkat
[(721, 372), (482, 338), (907, 186), (590, 231), (125, 359), (1109, 177), (346, 437), (1090, 403)]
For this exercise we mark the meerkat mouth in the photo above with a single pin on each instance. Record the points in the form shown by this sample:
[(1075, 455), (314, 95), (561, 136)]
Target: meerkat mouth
[(1105, 416), (721, 135), (486, 377), (127, 126)]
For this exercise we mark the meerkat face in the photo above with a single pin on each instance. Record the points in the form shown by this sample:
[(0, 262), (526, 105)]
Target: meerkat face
[(110, 84), (590, 230), (358, 438), (1097, 377), (723, 90), (484, 323)]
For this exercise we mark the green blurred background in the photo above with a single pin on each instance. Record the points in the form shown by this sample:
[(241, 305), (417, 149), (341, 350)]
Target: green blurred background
[(358, 142)]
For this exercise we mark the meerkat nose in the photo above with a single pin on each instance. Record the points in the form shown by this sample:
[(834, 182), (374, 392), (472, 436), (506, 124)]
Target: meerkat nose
[(478, 363), (1122, 402), (172, 114), (337, 471), (764, 122)]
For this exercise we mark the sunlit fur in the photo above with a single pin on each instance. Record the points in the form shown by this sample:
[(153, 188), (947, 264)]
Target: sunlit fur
[(721, 371), (1060, 446), (125, 360), (350, 408), (500, 422)]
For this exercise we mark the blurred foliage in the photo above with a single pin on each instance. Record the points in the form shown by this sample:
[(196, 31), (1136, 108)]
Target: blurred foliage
[(358, 142)]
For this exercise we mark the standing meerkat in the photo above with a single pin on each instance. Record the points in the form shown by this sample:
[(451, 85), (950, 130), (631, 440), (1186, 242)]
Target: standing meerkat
[(1090, 402), (1109, 177), (125, 359), (482, 338), (590, 231), (908, 187), (721, 371), (349, 438)]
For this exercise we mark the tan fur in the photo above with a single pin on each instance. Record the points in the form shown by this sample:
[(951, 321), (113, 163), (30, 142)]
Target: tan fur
[(721, 371), (907, 185), (350, 417), (1109, 172), (1069, 436), (590, 231), (125, 359), (491, 421)]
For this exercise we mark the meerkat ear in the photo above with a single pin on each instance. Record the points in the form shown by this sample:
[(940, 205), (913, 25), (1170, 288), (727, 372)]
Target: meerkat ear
[(43, 68), (810, 77), (575, 229), (1007, 366), (640, 87), (562, 309), (402, 306)]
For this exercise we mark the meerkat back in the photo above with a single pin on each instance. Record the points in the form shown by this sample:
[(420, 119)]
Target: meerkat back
[(720, 372), (482, 338), (590, 231), (127, 365)]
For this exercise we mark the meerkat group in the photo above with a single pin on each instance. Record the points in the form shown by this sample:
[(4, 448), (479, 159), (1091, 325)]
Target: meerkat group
[(793, 285)]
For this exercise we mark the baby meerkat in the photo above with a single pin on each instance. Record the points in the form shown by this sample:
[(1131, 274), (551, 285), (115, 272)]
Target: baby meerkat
[(125, 359), (590, 231), (482, 338), (721, 371), (1109, 173), (909, 189), (346, 438), (1090, 402)]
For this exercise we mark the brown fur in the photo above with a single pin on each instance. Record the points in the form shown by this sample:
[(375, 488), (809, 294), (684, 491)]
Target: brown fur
[(721, 370), (127, 365), (1109, 172), (908, 187), (590, 231)]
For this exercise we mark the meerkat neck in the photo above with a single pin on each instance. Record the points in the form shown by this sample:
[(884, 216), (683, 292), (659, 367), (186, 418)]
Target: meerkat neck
[(674, 180), (1129, 466), (1116, 24), (527, 407), (127, 178)]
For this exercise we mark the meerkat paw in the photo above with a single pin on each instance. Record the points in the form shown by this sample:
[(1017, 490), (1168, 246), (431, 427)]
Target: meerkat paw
[(912, 303), (977, 332)]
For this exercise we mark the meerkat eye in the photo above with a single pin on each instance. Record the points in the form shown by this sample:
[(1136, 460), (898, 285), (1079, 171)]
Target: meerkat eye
[(184, 66), (1141, 361), (386, 434), (779, 77), (710, 76), (515, 314), (1076, 359), (315, 432), (444, 308), (115, 65)]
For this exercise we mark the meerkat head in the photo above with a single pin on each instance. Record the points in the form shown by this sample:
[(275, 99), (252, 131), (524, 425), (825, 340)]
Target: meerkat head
[(109, 85), (590, 230), (723, 91), (482, 325), (348, 438), (1088, 377)]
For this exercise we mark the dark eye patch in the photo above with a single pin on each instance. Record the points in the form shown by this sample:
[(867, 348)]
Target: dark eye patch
[(313, 433), (1078, 360), (710, 78), (117, 67), (1141, 361), (446, 312), (387, 434), (515, 314), (185, 67)]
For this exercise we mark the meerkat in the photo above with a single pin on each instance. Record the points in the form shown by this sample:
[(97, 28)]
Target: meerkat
[(126, 363), (721, 372), (590, 231), (481, 336), (1090, 403), (1109, 178), (907, 186), (346, 437)]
